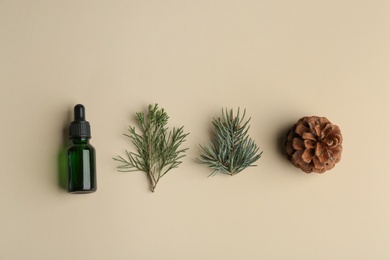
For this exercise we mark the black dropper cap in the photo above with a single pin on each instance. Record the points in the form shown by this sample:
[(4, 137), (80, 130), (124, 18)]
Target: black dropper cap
[(79, 128)]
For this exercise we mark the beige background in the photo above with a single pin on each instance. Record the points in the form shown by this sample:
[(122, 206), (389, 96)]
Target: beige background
[(280, 60)]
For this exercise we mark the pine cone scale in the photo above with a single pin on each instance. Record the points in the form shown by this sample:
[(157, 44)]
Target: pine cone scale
[(300, 129), (298, 144), (309, 136), (309, 144), (308, 155)]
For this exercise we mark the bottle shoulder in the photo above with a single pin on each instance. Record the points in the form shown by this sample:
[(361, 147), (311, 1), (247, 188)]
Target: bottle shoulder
[(82, 146)]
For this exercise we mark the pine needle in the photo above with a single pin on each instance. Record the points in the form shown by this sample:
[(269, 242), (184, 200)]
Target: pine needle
[(231, 150), (158, 151)]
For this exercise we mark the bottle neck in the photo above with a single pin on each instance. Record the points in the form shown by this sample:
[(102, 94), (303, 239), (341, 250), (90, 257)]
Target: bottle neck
[(80, 140)]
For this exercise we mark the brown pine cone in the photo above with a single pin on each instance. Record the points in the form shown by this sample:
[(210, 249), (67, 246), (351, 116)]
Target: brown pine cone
[(314, 144)]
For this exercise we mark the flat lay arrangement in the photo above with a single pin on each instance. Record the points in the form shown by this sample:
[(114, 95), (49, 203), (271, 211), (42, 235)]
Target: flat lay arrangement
[(196, 130), (313, 144)]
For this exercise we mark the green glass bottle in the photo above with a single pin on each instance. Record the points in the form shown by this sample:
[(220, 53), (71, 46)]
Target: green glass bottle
[(81, 155)]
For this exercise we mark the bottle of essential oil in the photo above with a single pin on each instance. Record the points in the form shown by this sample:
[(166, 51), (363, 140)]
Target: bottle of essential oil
[(81, 155)]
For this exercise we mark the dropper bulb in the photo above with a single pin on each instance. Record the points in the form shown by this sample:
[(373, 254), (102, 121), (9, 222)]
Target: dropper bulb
[(79, 113)]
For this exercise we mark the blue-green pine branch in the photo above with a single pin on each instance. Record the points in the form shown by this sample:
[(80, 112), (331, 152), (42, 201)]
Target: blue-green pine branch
[(231, 150)]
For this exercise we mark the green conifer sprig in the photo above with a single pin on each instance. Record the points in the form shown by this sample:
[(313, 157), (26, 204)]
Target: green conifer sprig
[(157, 150), (231, 150)]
